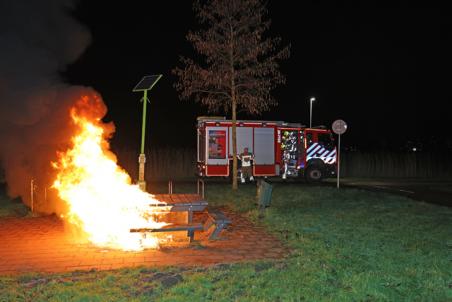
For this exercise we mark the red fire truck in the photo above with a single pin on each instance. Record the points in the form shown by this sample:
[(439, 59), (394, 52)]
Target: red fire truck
[(279, 148)]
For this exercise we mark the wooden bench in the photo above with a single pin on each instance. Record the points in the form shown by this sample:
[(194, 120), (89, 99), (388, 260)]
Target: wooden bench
[(216, 219), (190, 228)]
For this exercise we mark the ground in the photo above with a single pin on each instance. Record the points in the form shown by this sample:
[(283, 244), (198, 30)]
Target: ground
[(437, 191), (41, 244), (345, 245)]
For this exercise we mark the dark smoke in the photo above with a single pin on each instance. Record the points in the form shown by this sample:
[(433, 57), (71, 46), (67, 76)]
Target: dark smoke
[(38, 39)]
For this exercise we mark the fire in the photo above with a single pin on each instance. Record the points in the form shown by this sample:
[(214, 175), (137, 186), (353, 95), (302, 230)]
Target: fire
[(101, 200)]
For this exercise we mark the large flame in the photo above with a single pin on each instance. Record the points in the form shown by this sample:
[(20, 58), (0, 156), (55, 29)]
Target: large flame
[(101, 200)]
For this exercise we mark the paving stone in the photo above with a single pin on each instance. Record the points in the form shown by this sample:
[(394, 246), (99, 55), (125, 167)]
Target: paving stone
[(40, 244)]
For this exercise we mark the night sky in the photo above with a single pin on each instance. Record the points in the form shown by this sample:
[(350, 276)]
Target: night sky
[(384, 70)]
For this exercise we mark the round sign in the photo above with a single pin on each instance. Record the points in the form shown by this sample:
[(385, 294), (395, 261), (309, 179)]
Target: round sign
[(339, 127)]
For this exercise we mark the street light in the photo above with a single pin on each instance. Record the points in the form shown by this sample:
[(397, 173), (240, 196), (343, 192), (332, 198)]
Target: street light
[(310, 111), (144, 85)]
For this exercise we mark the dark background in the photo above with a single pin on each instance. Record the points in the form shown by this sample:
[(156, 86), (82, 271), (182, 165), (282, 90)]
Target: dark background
[(384, 70)]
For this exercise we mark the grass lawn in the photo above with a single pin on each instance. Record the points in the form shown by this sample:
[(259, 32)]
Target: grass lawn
[(348, 245)]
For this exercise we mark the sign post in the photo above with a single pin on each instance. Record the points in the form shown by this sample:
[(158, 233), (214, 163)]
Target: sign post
[(339, 127)]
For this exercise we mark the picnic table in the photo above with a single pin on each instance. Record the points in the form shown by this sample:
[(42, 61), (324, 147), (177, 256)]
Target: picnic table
[(188, 204)]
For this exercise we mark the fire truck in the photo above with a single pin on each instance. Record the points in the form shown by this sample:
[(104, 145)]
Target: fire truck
[(280, 149)]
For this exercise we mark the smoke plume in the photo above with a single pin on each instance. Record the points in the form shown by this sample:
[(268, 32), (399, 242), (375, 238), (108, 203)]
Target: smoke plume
[(38, 40)]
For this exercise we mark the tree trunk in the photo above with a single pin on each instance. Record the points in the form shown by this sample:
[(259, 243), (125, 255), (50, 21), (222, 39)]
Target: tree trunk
[(234, 111), (234, 143)]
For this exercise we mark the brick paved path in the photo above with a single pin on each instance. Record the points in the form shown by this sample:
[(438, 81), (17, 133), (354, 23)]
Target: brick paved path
[(42, 245)]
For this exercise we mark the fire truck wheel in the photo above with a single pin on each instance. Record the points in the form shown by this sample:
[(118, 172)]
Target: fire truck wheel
[(314, 174)]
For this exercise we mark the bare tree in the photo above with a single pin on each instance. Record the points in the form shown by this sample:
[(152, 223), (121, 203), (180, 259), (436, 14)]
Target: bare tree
[(238, 65)]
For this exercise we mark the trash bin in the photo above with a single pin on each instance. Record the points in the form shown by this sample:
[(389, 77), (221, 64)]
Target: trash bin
[(264, 194)]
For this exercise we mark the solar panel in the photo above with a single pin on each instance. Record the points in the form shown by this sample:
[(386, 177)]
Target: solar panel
[(147, 82)]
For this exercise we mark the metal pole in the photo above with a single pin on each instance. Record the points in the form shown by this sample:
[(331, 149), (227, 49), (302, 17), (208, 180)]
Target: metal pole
[(32, 188), (310, 113), (142, 157), (170, 187), (338, 160), (143, 125), (200, 187)]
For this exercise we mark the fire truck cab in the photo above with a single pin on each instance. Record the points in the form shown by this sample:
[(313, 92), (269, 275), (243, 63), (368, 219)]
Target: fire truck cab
[(280, 149)]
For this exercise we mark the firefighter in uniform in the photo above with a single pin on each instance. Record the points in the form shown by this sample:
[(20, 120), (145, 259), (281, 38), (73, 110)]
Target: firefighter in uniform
[(246, 170)]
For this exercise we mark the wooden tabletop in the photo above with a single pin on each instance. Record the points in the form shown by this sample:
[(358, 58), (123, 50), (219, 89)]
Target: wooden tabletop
[(181, 202)]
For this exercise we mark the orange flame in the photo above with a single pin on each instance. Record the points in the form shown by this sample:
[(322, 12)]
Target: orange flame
[(102, 201)]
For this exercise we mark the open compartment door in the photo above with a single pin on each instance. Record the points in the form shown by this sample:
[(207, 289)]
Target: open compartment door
[(264, 152), (244, 139)]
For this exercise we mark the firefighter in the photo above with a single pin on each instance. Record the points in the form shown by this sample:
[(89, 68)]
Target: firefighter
[(246, 170)]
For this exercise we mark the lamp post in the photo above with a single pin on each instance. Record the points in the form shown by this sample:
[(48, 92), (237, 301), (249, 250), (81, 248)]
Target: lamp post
[(310, 111), (144, 85)]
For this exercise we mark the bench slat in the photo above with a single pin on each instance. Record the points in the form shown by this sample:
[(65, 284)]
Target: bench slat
[(218, 216), (170, 228)]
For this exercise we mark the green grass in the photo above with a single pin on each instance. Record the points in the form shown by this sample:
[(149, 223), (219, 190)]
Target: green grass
[(348, 245)]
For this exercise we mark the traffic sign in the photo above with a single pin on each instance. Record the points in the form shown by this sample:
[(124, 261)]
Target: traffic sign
[(339, 127)]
